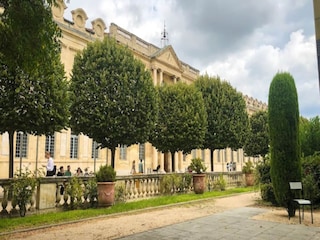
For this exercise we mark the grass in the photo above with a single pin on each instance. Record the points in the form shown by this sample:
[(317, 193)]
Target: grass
[(37, 220)]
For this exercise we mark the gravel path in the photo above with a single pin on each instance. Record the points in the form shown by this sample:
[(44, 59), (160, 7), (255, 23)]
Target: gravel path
[(119, 225)]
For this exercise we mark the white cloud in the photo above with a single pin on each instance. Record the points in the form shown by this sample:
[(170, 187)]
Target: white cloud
[(251, 71)]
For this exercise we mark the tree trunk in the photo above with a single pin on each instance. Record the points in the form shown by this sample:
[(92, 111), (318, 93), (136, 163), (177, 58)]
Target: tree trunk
[(11, 162), (113, 153), (211, 160)]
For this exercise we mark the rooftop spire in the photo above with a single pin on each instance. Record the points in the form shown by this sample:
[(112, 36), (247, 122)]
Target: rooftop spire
[(164, 37)]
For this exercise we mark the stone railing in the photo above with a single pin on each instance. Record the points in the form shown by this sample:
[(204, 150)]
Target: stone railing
[(48, 195)]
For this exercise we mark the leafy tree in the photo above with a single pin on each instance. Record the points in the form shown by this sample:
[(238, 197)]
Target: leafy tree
[(257, 142), (284, 137), (113, 97), (33, 89), (227, 116), (304, 132), (182, 120), (310, 136)]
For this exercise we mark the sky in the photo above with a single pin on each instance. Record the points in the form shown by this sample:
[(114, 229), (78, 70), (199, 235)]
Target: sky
[(245, 42)]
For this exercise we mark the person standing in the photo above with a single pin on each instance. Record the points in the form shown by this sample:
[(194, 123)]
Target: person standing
[(133, 169), (50, 164), (140, 166)]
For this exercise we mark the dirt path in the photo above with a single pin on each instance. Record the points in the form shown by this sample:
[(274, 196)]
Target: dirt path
[(110, 227)]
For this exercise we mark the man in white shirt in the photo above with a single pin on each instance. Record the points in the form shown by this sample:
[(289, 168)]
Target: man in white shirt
[(50, 164)]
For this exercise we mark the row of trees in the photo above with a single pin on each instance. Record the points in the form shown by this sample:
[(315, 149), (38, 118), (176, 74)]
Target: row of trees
[(114, 102)]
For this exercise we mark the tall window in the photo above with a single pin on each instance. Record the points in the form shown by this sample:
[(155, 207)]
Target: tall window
[(123, 152), (95, 150), (142, 152), (74, 146), (21, 144), (50, 144)]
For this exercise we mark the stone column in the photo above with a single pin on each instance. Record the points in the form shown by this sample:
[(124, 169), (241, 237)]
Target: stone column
[(155, 158), (161, 77), (174, 79), (155, 80), (161, 161)]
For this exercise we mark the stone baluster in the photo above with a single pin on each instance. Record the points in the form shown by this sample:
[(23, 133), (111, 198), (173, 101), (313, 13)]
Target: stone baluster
[(148, 187), (4, 202), (14, 211)]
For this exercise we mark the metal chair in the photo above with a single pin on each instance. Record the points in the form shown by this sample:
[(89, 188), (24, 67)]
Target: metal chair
[(297, 186)]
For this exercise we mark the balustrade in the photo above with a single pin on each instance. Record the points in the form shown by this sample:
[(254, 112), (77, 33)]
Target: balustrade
[(50, 193)]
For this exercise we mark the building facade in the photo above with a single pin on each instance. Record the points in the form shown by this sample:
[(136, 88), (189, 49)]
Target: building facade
[(79, 150)]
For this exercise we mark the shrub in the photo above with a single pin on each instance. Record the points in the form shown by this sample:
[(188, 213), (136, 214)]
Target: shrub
[(220, 183), (248, 167), (91, 192), (75, 191), (170, 183), (23, 188), (197, 165), (120, 193), (106, 173), (267, 193), (311, 177)]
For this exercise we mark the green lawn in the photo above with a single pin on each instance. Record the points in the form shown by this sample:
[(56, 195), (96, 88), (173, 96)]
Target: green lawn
[(36, 220)]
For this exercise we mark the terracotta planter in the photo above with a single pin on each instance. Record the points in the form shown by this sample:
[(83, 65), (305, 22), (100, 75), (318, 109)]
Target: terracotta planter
[(249, 179), (199, 183), (106, 194)]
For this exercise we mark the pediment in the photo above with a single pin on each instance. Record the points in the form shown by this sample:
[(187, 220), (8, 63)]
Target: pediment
[(168, 56)]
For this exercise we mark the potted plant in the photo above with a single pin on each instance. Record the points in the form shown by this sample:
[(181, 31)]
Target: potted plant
[(248, 169), (199, 168), (106, 177)]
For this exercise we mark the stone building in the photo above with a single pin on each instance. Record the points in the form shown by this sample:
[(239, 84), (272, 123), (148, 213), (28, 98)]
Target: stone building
[(79, 150)]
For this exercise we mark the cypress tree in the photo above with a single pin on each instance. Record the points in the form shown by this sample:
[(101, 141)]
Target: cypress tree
[(284, 137)]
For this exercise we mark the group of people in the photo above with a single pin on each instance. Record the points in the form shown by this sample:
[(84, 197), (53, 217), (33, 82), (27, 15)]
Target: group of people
[(231, 166), (51, 168), (140, 166)]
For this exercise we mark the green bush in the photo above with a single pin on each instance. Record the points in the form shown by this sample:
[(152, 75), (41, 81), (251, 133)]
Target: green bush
[(267, 193), (106, 173), (248, 167), (263, 172), (23, 187), (220, 183), (91, 192), (75, 191), (197, 165), (311, 177), (171, 183), (120, 193)]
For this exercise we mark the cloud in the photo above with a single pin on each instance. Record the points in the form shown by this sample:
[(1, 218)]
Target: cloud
[(251, 70)]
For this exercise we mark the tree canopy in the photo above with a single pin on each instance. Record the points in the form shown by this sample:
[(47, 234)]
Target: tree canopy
[(310, 136), (113, 98), (33, 88), (257, 142), (182, 120), (226, 111)]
